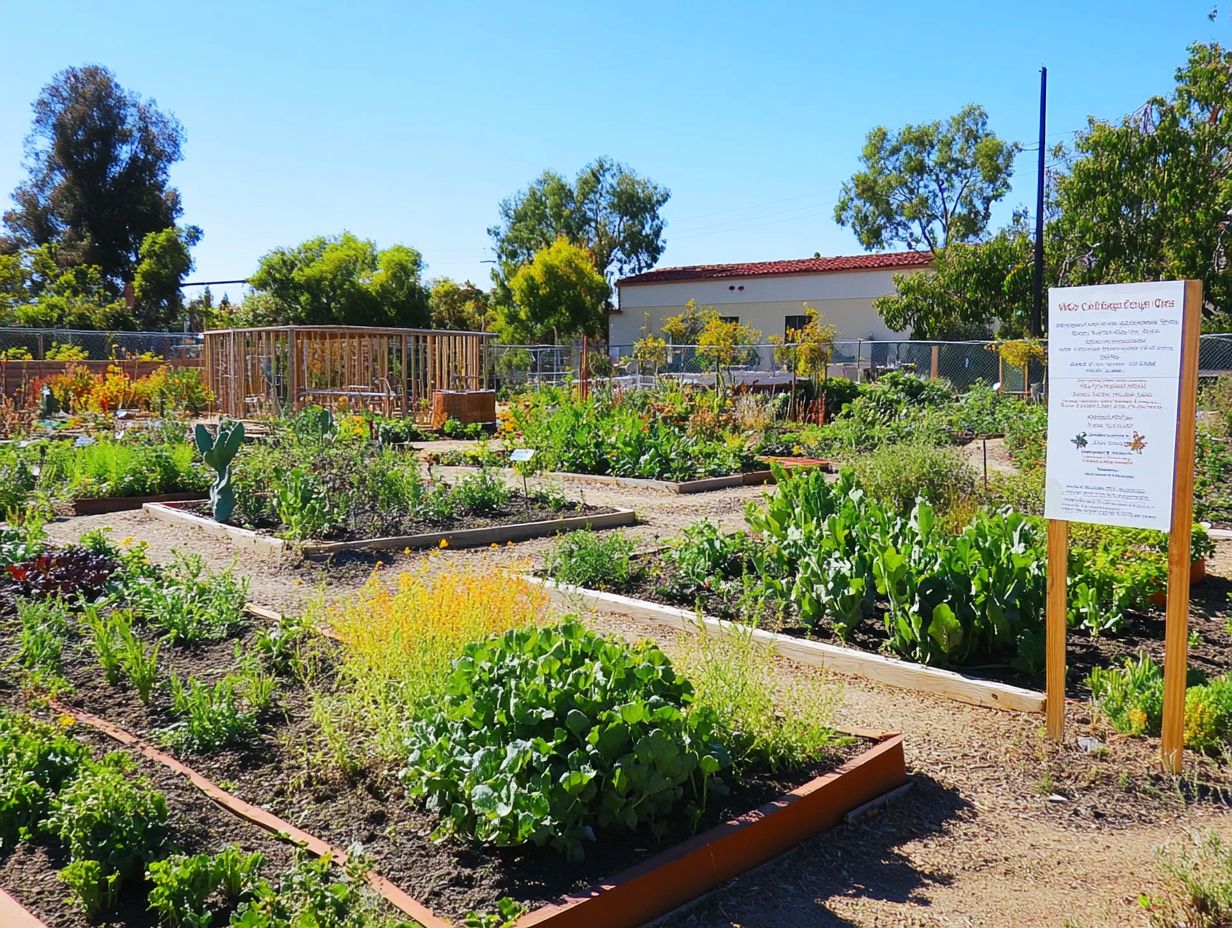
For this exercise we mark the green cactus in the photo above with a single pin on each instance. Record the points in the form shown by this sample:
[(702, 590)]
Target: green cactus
[(219, 453)]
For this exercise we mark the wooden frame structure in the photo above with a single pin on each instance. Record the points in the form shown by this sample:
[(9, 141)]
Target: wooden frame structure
[(261, 371)]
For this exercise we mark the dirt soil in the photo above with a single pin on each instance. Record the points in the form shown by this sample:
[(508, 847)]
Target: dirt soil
[(28, 871), (1001, 827), (282, 769)]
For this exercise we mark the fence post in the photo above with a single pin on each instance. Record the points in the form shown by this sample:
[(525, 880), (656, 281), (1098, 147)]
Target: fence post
[(936, 359)]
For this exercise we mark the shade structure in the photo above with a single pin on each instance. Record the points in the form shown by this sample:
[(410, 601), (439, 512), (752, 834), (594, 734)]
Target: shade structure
[(265, 370)]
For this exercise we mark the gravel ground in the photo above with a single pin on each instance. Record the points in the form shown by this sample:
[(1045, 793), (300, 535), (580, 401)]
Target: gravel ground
[(1001, 828)]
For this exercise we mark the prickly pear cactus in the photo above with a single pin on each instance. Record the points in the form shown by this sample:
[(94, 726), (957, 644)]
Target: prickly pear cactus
[(218, 453)]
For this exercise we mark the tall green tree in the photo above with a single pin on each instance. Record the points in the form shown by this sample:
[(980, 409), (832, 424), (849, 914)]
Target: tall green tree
[(927, 185), (971, 291), (1150, 197), (458, 306), (608, 209), (559, 294), (163, 261), (339, 280), (38, 289), (98, 159)]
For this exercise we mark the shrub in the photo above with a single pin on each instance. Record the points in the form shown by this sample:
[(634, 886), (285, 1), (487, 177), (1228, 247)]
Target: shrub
[(898, 475), (1212, 478), (1026, 435), (545, 736), (592, 559), (1020, 492), (60, 351), (397, 642), (481, 494), (1218, 398)]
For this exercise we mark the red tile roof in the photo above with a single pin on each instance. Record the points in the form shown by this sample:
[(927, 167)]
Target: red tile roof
[(875, 262)]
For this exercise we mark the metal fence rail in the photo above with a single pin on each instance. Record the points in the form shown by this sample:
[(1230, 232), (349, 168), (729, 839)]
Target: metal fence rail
[(961, 363), (101, 345)]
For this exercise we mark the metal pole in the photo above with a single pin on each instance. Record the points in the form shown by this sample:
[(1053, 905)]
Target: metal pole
[(1037, 280)]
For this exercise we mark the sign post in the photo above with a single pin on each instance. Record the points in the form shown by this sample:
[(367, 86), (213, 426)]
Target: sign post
[(1122, 399)]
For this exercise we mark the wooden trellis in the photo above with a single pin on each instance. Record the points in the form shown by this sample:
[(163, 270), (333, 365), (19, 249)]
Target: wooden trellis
[(261, 371)]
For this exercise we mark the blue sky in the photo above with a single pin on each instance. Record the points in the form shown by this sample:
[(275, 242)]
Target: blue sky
[(408, 122)]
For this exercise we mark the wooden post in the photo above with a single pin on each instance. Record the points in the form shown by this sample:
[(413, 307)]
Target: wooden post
[(584, 371), (936, 361), (1176, 628), (1054, 623)]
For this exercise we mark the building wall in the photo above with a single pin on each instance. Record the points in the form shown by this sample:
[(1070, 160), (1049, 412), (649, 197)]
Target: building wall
[(845, 299)]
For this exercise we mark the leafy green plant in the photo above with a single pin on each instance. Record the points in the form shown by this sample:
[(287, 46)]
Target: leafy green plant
[(507, 913), (219, 452), (1130, 696), (1200, 890), (282, 645), (212, 716), (106, 630), (188, 891), (592, 559), (439, 504), (45, 625), (139, 663), (36, 759), (301, 506), (508, 755), (184, 600), (306, 896), (112, 823), (481, 494)]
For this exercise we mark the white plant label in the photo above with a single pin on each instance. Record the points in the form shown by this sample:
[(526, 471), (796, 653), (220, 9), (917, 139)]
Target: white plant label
[(1114, 368)]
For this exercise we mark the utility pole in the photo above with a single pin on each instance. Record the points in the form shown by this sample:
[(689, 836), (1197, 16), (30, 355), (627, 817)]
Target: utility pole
[(1037, 279)]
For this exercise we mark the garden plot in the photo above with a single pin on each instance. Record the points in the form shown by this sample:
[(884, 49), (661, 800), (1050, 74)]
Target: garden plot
[(344, 725), (899, 596), (322, 487)]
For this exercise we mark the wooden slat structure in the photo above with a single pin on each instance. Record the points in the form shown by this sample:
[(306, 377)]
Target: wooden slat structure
[(261, 371)]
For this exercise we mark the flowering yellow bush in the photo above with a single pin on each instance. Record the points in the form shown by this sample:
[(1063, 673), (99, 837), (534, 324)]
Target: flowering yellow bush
[(398, 638), (79, 390)]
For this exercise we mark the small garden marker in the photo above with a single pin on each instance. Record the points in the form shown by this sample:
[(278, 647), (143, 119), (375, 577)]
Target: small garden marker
[(1122, 402)]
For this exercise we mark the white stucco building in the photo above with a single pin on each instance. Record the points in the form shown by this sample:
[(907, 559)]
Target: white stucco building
[(767, 295)]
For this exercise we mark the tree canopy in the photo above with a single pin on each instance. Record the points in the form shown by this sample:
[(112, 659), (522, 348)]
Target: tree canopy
[(457, 306), (338, 280), (1150, 198), (609, 210), (927, 185), (560, 293), (970, 290), (98, 160)]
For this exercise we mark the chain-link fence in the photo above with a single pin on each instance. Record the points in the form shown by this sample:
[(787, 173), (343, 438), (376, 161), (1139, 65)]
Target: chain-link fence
[(961, 363), (17, 342)]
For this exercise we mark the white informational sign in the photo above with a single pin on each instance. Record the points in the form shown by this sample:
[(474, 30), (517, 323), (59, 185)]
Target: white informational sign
[(1114, 367)]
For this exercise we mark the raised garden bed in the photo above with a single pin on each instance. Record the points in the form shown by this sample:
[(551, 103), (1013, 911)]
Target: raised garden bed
[(633, 896), (269, 777), (101, 505), (516, 528), (846, 660)]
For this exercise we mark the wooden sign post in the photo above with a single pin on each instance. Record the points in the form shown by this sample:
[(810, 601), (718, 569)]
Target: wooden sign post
[(1122, 405)]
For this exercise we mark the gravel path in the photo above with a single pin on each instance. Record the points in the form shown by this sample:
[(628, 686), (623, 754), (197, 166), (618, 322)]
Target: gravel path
[(1001, 828)]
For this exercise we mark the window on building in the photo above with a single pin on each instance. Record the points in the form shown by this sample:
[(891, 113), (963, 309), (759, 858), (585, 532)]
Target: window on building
[(729, 318), (793, 322)]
